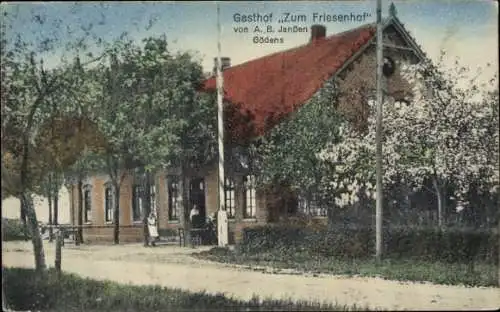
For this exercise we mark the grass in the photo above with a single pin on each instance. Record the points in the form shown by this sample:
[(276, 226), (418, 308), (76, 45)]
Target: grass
[(401, 270), (47, 291)]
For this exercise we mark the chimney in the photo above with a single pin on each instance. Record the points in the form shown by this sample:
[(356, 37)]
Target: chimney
[(318, 32), (226, 62)]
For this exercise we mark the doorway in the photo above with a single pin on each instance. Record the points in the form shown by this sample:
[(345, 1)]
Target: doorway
[(197, 197)]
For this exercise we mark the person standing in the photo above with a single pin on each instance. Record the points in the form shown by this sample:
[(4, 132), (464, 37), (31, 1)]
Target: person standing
[(152, 228), (194, 217)]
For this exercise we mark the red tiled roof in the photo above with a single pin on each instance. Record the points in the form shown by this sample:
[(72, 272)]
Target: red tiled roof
[(277, 84)]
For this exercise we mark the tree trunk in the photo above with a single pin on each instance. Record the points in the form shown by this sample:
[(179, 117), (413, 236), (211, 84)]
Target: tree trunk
[(5, 305), (56, 208), (51, 230), (80, 211), (439, 201), (4, 299), (71, 189), (36, 239), (146, 200), (116, 215), (23, 219), (185, 207), (498, 233)]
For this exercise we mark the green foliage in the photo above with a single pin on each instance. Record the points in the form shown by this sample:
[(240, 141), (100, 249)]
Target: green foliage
[(149, 108), (289, 151), (51, 184), (452, 245), (451, 256), (26, 290), (402, 270), (13, 230)]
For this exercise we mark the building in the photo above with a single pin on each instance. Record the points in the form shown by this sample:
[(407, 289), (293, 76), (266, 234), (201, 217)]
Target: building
[(266, 88)]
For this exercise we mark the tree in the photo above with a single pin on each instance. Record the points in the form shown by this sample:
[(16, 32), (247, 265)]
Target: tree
[(49, 188), (150, 82), (112, 114), (446, 134), (174, 125), (288, 152), (29, 88), (152, 115), (88, 162)]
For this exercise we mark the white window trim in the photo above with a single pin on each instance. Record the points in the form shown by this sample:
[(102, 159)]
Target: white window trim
[(153, 204), (85, 188), (113, 198), (176, 209), (140, 221), (154, 198), (233, 190), (254, 187)]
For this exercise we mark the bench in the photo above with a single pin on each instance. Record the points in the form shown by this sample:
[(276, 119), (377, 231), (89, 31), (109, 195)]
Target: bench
[(69, 232), (171, 235), (196, 236)]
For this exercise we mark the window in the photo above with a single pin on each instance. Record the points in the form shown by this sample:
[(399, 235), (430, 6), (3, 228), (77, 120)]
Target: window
[(153, 198), (311, 207), (250, 197), (229, 200), (173, 198), (137, 203), (87, 202), (108, 203)]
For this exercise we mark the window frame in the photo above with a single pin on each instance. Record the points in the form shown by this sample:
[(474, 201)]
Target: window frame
[(229, 189), (249, 196), (87, 204), (112, 198), (152, 200), (173, 198), (137, 203)]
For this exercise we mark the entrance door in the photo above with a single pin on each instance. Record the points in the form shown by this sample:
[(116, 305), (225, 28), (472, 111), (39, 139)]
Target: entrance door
[(197, 196)]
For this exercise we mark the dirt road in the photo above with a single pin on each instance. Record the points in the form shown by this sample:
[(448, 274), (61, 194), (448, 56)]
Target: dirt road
[(173, 267)]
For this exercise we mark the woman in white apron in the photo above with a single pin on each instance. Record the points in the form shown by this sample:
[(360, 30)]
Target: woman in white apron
[(152, 228)]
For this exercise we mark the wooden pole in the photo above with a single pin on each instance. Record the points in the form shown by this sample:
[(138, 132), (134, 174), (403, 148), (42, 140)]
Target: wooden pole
[(222, 214), (378, 135), (59, 241)]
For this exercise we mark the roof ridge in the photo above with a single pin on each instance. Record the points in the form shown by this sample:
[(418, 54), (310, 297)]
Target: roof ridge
[(300, 46), (282, 81)]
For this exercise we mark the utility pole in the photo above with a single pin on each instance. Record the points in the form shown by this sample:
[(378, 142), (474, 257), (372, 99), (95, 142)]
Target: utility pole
[(222, 224), (378, 135)]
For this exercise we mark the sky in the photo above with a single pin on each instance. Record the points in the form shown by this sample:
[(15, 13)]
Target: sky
[(467, 30)]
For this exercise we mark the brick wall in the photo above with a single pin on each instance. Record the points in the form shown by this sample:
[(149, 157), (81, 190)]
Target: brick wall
[(104, 234), (98, 200), (126, 200), (358, 82), (103, 230)]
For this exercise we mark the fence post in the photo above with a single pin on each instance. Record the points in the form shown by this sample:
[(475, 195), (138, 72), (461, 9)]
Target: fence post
[(59, 239), (76, 235)]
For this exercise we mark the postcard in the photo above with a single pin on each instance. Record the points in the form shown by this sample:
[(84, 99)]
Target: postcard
[(263, 155)]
